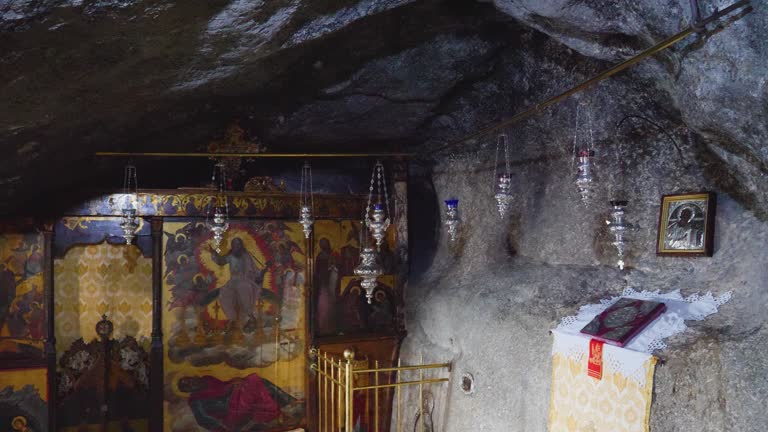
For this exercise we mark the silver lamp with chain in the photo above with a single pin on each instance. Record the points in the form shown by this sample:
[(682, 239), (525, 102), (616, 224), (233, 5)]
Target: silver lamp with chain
[(620, 228), (379, 222), (217, 219), (502, 180), (584, 152), (129, 222), (617, 224), (307, 201), (369, 271), (452, 219)]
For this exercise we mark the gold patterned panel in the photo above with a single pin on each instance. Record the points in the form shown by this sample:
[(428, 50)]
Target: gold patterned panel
[(580, 403), (102, 279)]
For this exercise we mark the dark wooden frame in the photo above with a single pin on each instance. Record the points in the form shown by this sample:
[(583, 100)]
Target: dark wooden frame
[(709, 224), (156, 371)]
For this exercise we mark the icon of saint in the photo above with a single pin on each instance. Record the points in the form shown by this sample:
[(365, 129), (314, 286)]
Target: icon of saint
[(685, 228), (241, 292)]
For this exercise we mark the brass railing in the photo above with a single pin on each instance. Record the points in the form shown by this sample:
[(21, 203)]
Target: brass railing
[(350, 392)]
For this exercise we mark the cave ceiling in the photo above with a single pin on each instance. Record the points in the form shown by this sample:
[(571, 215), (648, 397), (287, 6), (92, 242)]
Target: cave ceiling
[(80, 76)]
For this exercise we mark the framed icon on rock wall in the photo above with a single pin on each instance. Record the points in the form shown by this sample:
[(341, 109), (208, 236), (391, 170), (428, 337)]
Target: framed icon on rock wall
[(687, 225)]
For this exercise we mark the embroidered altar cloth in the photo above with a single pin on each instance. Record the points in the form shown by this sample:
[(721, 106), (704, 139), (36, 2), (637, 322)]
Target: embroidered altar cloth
[(621, 400)]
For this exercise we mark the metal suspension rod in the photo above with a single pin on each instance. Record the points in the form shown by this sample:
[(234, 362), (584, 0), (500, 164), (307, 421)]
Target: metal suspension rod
[(661, 46), (254, 155)]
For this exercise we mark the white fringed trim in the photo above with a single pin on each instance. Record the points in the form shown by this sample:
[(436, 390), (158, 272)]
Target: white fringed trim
[(630, 359)]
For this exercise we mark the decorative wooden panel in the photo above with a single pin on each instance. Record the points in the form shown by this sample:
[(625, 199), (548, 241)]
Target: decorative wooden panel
[(235, 327), (103, 373)]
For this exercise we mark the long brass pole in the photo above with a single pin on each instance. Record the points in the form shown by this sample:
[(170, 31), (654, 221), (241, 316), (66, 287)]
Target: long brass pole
[(320, 395), (421, 395), (350, 388), (397, 381), (405, 368), (661, 46), (254, 155), (376, 397), (404, 383)]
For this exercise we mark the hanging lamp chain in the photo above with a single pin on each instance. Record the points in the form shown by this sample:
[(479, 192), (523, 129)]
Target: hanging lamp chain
[(575, 152), (219, 200), (506, 155), (502, 144), (495, 177), (222, 201), (311, 188), (130, 186), (303, 200), (370, 196), (590, 129), (383, 183)]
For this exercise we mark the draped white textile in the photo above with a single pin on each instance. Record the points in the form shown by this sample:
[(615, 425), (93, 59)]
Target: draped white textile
[(630, 359)]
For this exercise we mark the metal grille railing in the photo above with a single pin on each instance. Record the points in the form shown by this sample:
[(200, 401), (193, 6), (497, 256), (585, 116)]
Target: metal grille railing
[(352, 396)]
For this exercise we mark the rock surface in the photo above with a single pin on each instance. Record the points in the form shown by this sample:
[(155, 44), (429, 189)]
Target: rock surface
[(79, 76)]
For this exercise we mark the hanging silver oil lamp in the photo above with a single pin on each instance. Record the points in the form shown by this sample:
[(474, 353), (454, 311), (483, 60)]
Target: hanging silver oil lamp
[(379, 221), (620, 228), (306, 221), (218, 227), (369, 271), (584, 153), (378, 225), (129, 222), (503, 194), (307, 201), (218, 211), (503, 180), (585, 180), (452, 220)]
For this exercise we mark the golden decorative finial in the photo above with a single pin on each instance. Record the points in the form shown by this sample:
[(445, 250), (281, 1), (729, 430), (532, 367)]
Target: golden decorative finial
[(234, 142), (349, 354)]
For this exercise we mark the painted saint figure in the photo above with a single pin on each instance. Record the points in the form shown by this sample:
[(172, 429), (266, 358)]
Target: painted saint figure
[(34, 263), (239, 295), (7, 293), (239, 404), (26, 319), (326, 281), (686, 228)]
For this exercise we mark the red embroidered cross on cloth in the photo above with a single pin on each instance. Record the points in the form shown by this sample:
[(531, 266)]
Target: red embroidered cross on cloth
[(595, 362)]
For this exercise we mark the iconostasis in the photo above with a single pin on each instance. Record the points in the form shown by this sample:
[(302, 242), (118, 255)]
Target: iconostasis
[(228, 331)]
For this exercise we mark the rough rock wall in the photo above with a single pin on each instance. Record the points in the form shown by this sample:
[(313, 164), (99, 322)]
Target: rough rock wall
[(488, 304), (716, 80), (488, 307), (85, 75)]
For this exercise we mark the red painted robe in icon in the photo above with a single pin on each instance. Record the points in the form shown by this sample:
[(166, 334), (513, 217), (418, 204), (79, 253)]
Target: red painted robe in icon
[(227, 406)]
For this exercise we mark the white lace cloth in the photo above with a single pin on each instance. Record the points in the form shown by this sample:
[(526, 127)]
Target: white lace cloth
[(630, 359)]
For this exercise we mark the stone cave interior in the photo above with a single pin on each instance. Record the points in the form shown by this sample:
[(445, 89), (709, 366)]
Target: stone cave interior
[(383, 215)]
